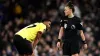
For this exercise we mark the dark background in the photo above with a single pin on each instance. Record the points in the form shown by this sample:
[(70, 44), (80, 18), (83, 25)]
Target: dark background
[(16, 14)]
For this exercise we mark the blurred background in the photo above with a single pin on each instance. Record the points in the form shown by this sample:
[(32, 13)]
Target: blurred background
[(16, 14)]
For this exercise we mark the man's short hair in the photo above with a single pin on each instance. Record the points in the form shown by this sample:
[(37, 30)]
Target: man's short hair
[(70, 5)]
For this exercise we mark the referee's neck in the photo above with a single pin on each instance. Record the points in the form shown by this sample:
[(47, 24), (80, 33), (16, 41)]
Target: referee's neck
[(71, 15)]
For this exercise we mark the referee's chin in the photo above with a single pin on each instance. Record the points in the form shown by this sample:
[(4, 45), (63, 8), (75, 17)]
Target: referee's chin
[(66, 15)]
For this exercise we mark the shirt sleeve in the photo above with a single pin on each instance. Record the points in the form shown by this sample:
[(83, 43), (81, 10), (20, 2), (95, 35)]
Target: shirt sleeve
[(62, 23), (79, 25), (42, 28)]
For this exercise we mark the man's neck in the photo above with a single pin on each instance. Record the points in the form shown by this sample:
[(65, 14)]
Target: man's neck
[(71, 15)]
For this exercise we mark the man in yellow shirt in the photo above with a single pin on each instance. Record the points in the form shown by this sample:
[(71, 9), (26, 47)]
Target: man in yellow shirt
[(27, 38)]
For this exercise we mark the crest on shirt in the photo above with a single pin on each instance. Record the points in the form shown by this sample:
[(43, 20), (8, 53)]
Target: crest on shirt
[(73, 27)]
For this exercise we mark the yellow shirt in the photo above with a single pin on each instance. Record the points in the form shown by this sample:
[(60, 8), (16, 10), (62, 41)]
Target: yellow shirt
[(30, 32)]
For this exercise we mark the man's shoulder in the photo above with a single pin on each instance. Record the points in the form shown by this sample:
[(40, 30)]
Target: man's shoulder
[(42, 25), (38, 23)]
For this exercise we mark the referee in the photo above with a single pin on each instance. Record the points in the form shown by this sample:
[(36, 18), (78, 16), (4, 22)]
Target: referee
[(71, 31)]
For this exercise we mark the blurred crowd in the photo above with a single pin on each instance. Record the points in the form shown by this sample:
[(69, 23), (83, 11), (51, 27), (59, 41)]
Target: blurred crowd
[(16, 14)]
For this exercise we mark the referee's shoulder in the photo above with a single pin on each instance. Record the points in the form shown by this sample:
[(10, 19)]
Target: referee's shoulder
[(77, 18), (64, 18)]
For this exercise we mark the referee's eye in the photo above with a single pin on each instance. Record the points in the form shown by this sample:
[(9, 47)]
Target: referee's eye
[(50, 24)]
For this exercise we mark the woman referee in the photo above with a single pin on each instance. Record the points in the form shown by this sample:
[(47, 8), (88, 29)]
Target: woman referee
[(71, 31)]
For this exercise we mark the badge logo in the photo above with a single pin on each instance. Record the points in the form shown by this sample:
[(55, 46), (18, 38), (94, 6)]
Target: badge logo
[(73, 27)]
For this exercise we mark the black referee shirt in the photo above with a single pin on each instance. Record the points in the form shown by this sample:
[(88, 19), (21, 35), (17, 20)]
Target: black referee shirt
[(71, 27)]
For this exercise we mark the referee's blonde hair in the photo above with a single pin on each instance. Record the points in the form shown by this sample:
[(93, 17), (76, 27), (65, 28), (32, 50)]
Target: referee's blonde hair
[(70, 5)]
